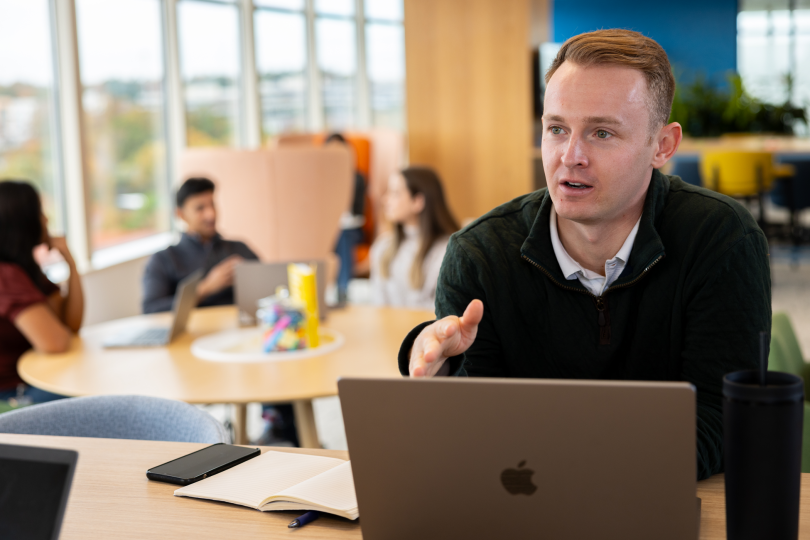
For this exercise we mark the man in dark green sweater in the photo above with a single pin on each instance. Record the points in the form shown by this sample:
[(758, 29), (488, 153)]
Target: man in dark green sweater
[(615, 271)]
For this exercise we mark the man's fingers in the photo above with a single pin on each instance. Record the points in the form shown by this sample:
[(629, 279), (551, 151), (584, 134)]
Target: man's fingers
[(431, 349), (472, 315), (446, 328)]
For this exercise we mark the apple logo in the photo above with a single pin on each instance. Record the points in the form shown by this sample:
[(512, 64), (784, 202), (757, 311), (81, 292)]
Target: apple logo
[(518, 481)]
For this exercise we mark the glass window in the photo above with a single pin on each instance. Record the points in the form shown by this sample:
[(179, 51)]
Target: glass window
[(28, 148), (384, 10), (122, 71), (336, 48), (341, 8), (281, 59), (385, 53), (208, 36), (761, 60), (292, 5), (801, 78)]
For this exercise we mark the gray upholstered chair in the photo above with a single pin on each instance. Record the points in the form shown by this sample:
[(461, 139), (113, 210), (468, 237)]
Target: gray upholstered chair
[(117, 417)]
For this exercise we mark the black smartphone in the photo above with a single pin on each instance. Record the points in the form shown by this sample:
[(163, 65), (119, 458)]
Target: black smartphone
[(201, 464)]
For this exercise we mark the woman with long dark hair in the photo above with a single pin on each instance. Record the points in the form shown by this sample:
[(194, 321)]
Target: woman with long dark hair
[(33, 311), (405, 263)]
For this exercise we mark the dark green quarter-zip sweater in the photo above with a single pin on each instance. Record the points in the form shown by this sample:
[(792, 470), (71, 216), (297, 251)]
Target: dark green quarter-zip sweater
[(689, 305)]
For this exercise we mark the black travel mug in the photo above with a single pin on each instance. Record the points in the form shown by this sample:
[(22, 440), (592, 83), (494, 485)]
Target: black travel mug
[(762, 445)]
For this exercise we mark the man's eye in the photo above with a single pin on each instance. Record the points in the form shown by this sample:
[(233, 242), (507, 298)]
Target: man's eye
[(556, 130), (602, 134)]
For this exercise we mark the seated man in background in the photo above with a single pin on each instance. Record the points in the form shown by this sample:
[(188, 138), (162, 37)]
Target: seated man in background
[(200, 247), (615, 271)]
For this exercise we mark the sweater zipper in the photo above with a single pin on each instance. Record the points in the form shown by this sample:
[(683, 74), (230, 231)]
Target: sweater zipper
[(602, 307)]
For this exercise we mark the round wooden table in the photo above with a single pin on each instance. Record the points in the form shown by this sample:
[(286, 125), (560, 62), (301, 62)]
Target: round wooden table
[(373, 336)]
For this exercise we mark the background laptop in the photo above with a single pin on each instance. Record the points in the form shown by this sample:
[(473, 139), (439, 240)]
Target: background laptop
[(185, 300), (34, 487), (254, 280), (519, 458)]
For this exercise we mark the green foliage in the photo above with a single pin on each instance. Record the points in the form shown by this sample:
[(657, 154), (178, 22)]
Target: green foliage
[(208, 127), (707, 110)]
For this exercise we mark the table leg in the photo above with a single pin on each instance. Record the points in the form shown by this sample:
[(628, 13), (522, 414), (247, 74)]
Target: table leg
[(240, 423), (305, 423)]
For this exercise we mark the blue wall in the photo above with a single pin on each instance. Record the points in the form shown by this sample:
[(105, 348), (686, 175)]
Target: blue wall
[(698, 36)]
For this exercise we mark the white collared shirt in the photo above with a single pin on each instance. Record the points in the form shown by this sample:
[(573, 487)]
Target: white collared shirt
[(592, 281)]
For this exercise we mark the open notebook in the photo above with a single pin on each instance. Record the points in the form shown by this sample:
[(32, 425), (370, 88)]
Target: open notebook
[(283, 481)]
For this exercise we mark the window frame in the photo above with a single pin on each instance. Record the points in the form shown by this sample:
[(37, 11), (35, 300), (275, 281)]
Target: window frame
[(70, 141)]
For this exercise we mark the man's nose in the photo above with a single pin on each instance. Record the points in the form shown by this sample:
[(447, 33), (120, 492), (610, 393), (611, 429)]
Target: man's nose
[(574, 155)]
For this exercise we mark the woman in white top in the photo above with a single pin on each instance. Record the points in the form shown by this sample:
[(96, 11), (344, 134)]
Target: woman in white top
[(405, 262)]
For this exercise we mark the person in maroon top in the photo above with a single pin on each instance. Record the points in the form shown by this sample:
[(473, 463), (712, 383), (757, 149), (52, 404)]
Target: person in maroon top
[(33, 311)]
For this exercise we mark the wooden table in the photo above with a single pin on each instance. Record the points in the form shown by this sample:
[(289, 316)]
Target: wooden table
[(373, 336), (111, 498)]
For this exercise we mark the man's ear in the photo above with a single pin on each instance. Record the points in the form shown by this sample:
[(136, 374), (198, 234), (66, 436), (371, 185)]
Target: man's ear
[(666, 144)]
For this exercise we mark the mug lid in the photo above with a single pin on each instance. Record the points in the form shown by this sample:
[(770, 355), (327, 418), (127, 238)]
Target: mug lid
[(779, 387)]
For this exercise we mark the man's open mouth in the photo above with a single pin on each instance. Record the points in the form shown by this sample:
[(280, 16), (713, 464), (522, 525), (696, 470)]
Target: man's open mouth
[(576, 185)]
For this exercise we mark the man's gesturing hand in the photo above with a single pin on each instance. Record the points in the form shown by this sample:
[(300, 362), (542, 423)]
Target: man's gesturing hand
[(218, 277), (447, 337)]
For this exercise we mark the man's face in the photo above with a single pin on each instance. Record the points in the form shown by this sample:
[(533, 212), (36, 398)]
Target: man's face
[(597, 152), (199, 214)]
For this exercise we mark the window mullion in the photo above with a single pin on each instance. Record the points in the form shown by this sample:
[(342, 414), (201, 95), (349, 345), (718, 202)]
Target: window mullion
[(251, 108), (363, 112), (175, 102), (315, 111), (72, 146)]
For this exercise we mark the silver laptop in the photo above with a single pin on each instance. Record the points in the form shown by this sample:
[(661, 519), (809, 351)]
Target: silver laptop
[(520, 458), (254, 280), (34, 487), (185, 300)]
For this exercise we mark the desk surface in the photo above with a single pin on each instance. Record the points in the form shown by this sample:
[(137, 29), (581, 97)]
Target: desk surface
[(373, 336), (111, 498)]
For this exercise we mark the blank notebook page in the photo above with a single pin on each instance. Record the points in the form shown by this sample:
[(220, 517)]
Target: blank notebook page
[(332, 489), (253, 481)]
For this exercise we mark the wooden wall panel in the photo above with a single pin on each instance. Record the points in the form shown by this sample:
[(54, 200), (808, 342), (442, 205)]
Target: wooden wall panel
[(469, 98)]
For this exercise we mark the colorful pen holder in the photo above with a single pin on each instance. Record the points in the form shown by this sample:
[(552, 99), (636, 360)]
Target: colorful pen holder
[(283, 321)]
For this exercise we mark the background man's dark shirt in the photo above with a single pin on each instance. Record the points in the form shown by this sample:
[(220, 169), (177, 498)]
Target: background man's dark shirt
[(167, 268)]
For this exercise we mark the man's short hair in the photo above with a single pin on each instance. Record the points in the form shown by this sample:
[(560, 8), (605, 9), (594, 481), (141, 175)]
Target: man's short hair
[(335, 137), (629, 49), (191, 187)]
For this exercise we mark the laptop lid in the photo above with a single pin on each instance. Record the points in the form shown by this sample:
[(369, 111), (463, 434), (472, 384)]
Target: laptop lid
[(520, 458), (34, 487), (185, 300), (254, 280)]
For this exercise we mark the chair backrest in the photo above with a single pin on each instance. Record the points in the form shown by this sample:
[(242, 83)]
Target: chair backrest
[(799, 196), (687, 167), (379, 151), (738, 174), (314, 187), (786, 354), (117, 417), (285, 202)]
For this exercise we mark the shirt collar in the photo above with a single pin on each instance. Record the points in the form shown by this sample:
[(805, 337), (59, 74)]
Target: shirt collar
[(196, 238), (570, 268), (647, 246)]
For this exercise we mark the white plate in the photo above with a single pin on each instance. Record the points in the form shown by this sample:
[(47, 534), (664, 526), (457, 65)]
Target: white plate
[(245, 345)]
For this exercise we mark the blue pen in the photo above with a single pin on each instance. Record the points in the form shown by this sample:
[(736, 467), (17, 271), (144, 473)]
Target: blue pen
[(309, 517)]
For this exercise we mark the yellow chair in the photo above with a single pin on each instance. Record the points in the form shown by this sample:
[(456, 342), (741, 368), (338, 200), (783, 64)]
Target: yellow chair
[(744, 175)]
